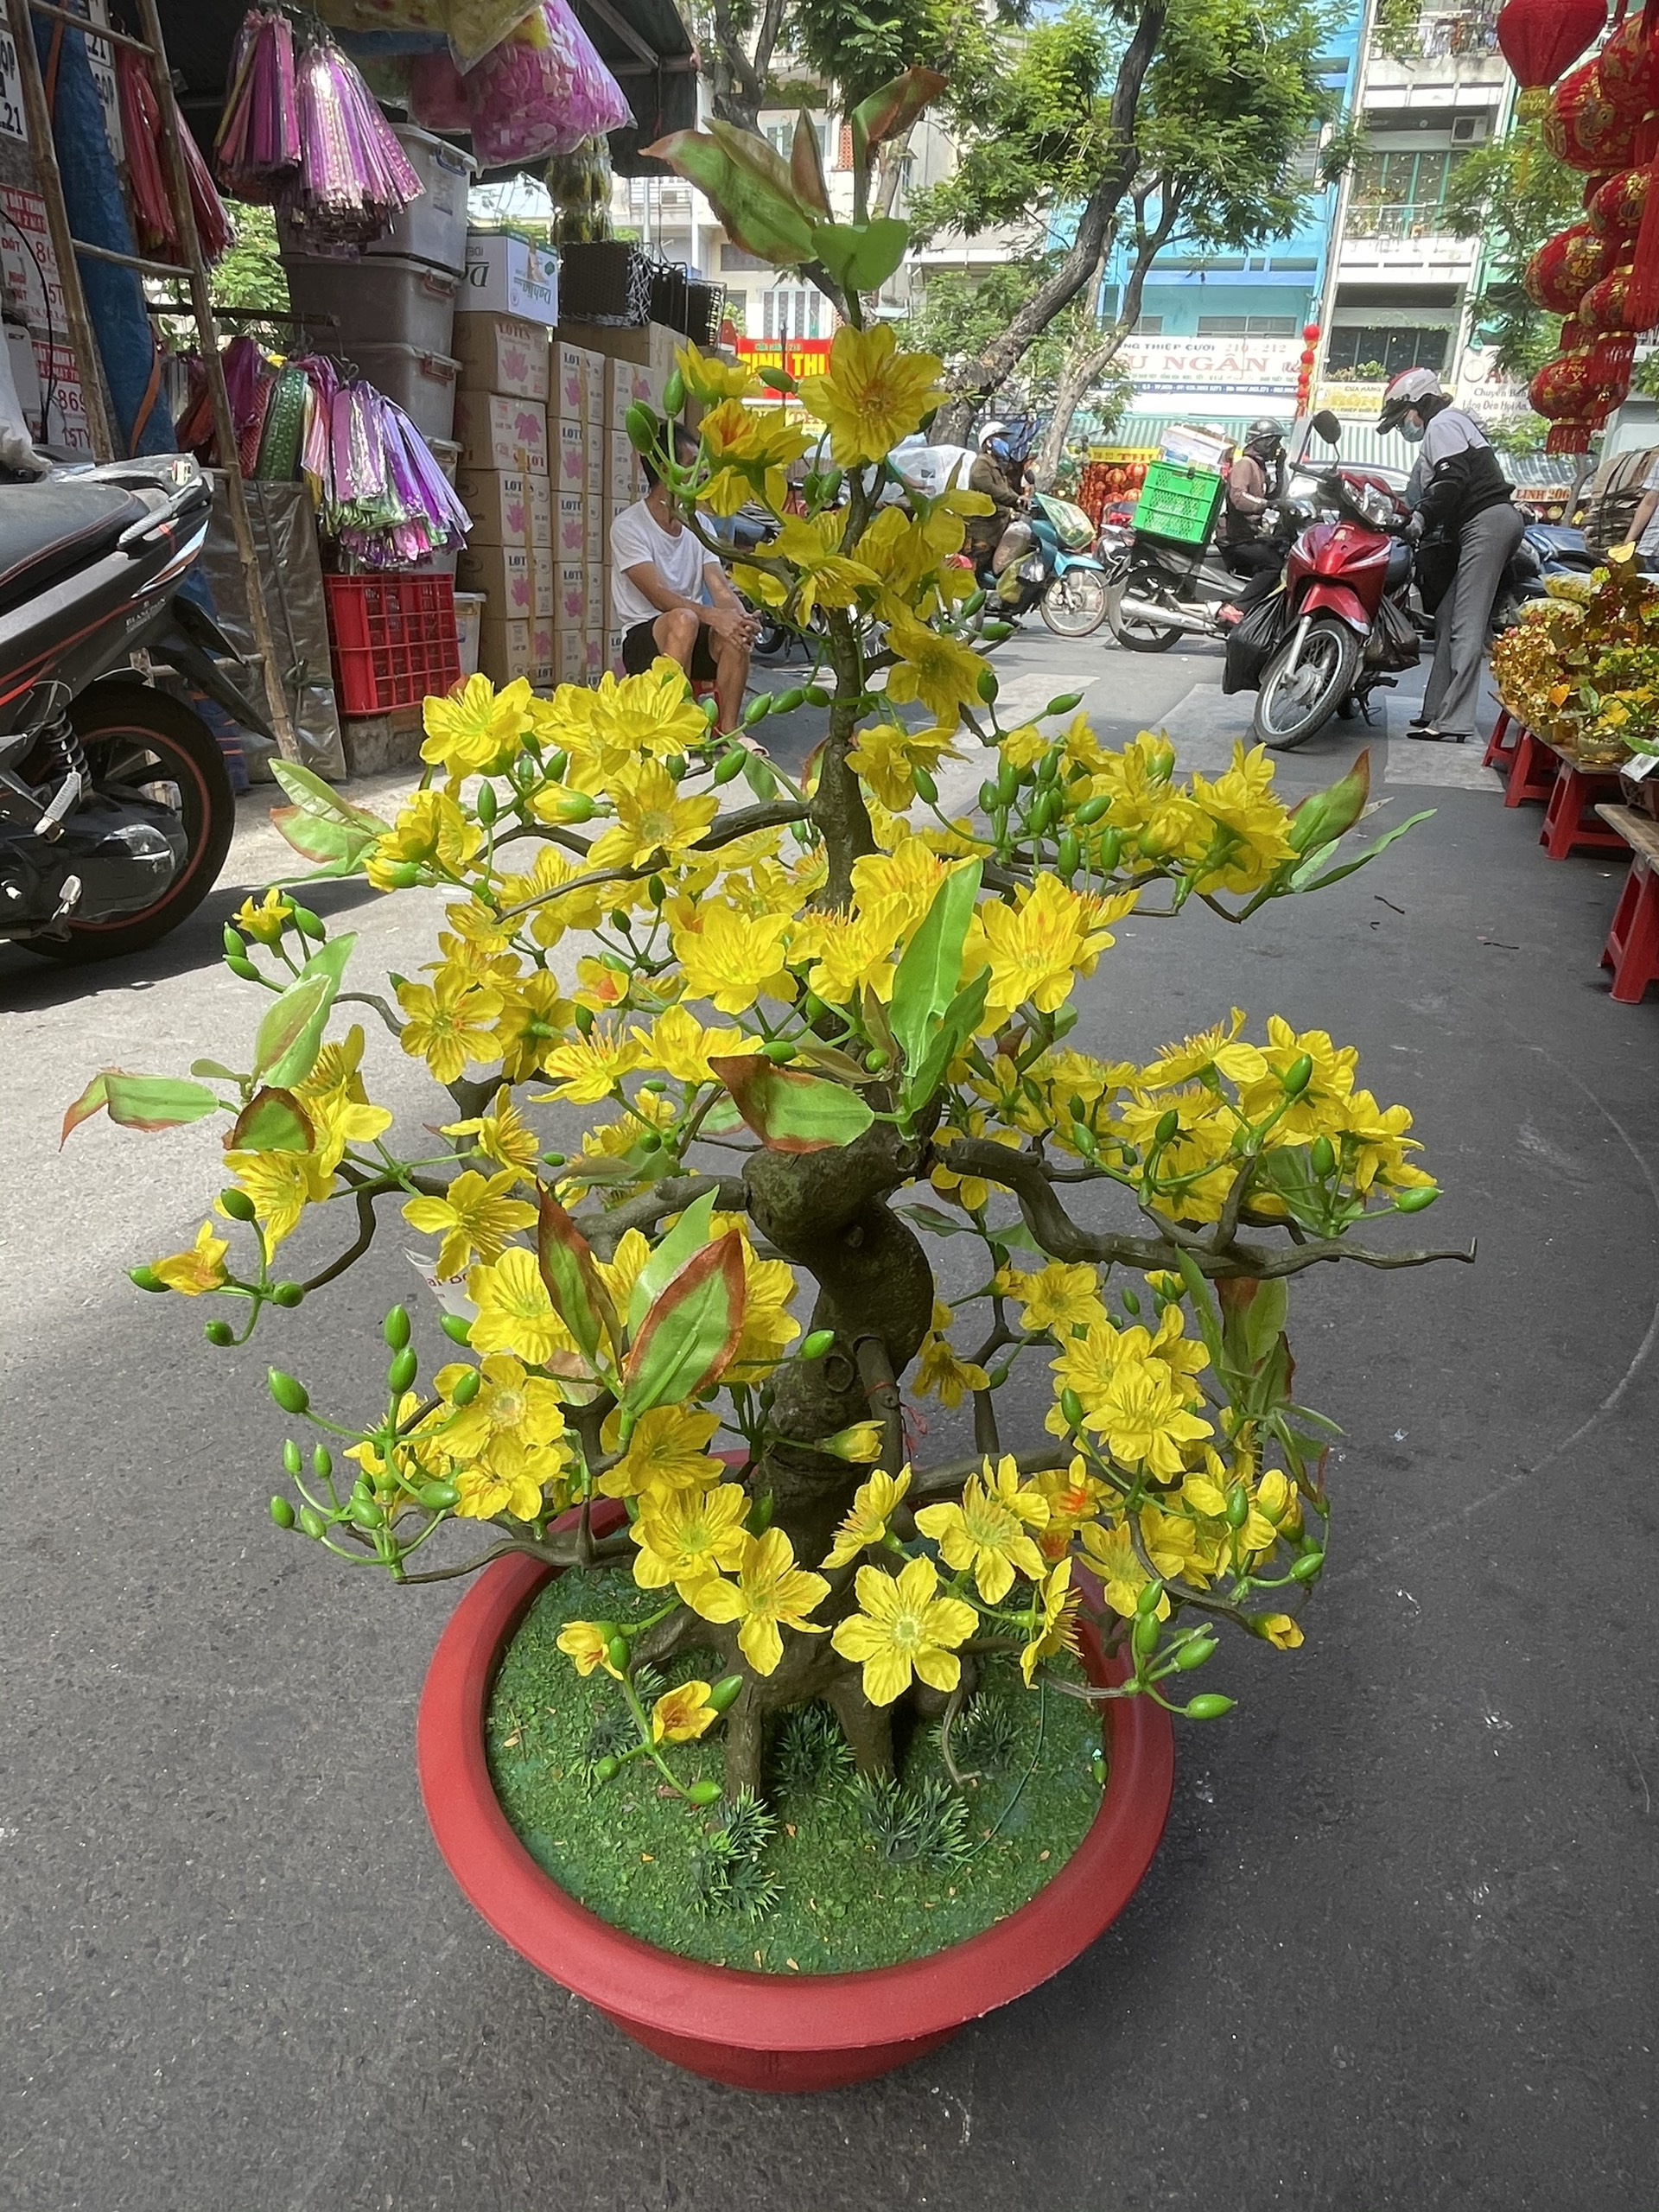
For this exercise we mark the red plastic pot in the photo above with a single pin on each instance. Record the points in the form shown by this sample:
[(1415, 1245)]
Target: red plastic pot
[(762, 2031)]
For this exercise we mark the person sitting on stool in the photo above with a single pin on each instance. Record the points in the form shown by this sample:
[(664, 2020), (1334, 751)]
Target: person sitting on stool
[(670, 595)]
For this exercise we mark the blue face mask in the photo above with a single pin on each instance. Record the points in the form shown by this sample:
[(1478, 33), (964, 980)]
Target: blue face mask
[(1410, 430)]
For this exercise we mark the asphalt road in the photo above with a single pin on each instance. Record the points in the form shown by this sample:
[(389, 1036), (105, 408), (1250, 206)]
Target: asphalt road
[(1398, 1949)]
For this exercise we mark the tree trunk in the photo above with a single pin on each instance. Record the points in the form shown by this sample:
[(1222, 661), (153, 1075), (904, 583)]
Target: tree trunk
[(1083, 366)]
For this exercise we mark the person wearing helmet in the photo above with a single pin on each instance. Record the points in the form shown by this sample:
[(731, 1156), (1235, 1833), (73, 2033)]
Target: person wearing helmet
[(1252, 543), (997, 474), (1468, 530)]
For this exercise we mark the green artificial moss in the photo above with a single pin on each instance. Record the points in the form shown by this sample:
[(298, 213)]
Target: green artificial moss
[(638, 1856)]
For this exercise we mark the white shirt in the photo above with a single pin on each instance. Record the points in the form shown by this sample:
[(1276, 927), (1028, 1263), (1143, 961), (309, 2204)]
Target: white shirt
[(639, 540), (1649, 546)]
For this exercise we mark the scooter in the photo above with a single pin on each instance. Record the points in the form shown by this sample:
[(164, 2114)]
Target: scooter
[(1344, 590), (116, 807), (1044, 560)]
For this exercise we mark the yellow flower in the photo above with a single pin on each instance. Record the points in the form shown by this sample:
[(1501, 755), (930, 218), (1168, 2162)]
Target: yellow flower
[(861, 1441), (474, 1217), (677, 1043), (484, 1492), (281, 1184), (448, 1023), (1056, 1631), (1218, 1048), (733, 958), (874, 1503), (933, 668), (534, 1012), (667, 1451), (513, 1416), (749, 448), (476, 727), (874, 395), (200, 1268), (554, 913), (681, 1715), (1058, 1297), (431, 831), (1037, 948), (825, 576), (1112, 1555), (686, 1536), (515, 1313), (502, 1136), (903, 1627), (940, 1368), (265, 922), (886, 755), (771, 1593), (987, 1531), (591, 1067), (1279, 1630), (589, 1643), (1143, 1417), (711, 380), (651, 818)]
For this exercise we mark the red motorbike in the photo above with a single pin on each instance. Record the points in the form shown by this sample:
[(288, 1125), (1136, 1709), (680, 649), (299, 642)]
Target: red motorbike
[(1344, 613)]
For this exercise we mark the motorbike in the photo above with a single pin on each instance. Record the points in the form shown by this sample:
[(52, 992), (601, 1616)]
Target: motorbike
[(116, 807), (1044, 560), (1159, 591), (1346, 578), (1546, 551)]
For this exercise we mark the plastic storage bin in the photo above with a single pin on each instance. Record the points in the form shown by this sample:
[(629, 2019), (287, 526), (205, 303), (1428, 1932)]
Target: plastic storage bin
[(469, 618), (423, 385), (393, 639), (434, 227), (390, 301), (1178, 503)]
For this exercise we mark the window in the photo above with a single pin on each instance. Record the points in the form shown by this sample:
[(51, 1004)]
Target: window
[(1148, 326), (734, 259), (793, 312), (1369, 354), (781, 137), (1400, 195), (1248, 326)]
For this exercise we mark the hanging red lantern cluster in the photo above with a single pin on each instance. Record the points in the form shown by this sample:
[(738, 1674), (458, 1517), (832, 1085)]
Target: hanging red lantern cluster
[(1305, 377), (1542, 38)]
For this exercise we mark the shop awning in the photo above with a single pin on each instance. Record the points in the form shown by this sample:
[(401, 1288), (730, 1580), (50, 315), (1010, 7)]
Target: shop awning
[(643, 43)]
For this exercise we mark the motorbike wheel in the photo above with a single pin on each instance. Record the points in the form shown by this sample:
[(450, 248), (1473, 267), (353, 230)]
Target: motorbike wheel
[(771, 640), (1135, 635), (1294, 703), (142, 743), (1074, 606)]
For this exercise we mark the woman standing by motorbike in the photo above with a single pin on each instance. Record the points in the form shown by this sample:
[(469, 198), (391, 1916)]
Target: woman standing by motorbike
[(1468, 530)]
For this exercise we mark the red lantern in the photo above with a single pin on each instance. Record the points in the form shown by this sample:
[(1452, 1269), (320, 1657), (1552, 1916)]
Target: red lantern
[(1310, 331), (1582, 128), (1564, 268), (1561, 389), (1542, 38), (1616, 203), (1626, 69), (1568, 438), (1605, 308)]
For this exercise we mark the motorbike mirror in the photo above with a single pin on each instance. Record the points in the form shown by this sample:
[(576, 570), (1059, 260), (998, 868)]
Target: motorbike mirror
[(1329, 428)]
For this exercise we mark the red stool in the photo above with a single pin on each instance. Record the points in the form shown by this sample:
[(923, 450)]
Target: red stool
[(1570, 822), (1632, 947), (1532, 771), (1497, 754)]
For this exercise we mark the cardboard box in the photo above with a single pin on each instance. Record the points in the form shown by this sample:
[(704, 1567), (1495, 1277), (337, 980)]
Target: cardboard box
[(570, 595), (572, 472), (505, 650), (570, 657), (594, 457), (596, 605), (628, 384), (542, 586), (506, 508), (506, 275), (650, 344), (595, 547), (570, 526), (567, 374), (613, 645), (594, 390), (502, 574), (501, 433), (594, 644), (624, 480), (502, 353), (543, 644)]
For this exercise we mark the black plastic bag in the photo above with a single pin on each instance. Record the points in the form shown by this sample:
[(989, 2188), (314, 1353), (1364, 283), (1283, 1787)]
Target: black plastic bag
[(1253, 641)]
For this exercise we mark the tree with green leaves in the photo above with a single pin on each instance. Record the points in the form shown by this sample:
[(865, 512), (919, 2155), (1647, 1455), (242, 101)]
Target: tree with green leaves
[(1515, 194), (1189, 123)]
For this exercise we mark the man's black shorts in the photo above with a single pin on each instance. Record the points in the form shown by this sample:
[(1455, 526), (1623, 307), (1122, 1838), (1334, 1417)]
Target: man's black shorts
[(641, 648)]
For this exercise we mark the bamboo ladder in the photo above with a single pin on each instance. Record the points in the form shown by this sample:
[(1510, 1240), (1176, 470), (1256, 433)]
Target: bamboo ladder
[(193, 271)]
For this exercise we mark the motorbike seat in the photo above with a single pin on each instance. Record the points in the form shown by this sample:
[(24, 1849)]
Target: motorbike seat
[(50, 528)]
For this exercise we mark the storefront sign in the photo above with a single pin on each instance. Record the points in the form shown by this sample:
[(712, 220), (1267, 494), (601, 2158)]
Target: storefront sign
[(796, 357), (1244, 366)]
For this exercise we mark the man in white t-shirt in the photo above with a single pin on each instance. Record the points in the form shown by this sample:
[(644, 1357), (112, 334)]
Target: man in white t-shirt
[(670, 595)]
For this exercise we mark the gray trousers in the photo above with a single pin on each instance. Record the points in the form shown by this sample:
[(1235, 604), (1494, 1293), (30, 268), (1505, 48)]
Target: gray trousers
[(1484, 547)]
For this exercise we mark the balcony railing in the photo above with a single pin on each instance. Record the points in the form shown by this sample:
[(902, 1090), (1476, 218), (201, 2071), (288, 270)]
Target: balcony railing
[(1438, 32), (1409, 219)]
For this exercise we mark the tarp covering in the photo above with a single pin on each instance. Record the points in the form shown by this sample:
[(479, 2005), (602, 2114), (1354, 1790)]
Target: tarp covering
[(285, 538)]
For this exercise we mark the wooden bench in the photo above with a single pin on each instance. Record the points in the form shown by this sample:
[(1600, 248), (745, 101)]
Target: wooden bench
[(1632, 947)]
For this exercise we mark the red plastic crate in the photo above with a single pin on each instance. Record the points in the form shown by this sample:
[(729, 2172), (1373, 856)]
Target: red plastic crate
[(394, 640)]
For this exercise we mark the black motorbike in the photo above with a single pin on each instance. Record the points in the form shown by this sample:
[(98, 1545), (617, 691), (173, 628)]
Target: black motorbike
[(116, 807)]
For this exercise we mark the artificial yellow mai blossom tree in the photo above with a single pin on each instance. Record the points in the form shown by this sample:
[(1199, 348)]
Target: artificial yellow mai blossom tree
[(818, 1026)]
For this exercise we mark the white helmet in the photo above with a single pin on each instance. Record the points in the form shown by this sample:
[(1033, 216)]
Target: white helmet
[(991, 430)]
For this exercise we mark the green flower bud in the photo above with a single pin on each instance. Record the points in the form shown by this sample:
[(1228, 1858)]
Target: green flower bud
[(1072, 1407), (617, 1652), (1414, 1201), (988, 685), (1147, 1596), (311, 1520), (306, 922), (1238, 1506), (621, 919), (704, 1793), (457, 1328), (219, 1334), (641, 426), (576, 806), (1007, 781), (1297, 1076), (1209, 1705), (1083, 1137), (366, 1513), (1068, 853), (673, 392), (281, 1513), (1106, 855), (293, 1397), (401, 1369), (437, 1498), (1194, 1653), (816, 695), (728, 764), (787, 702), (293, 1458), (235, 1204), (726, 1691), (816, 1345), (1148, 1628), (1131, 1303), (404, 875), (1322, 1156), (236, 945), (1065, 703), (288, 1295), (989, 798), (1308, 1567), (758, 709), (875, 1059), (321, 1464), (778, 381), (466, 1388), (484, 805), (1091, 810), (1169, 1127), (608, 1767), (557, 762), (650, 1141), (245, 969), (925, 787), (779, 1050), (994, 632), (394, 1328), (553, 1159), (146, 1278)]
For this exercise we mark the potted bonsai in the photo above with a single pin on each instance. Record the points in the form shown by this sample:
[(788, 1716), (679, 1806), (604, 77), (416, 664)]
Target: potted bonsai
[(789, 1743)]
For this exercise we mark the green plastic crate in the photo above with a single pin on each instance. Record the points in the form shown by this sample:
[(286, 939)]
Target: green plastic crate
[(1179, 502)]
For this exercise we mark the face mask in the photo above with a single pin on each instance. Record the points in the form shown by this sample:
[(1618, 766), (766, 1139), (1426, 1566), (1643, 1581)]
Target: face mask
[(1411, 430)]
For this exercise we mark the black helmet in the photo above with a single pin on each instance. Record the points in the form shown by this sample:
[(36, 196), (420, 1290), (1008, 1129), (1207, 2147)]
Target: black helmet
[(1264, 434)]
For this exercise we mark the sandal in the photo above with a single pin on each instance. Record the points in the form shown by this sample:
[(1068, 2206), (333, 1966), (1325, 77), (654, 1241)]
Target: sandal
[(1427, 737)]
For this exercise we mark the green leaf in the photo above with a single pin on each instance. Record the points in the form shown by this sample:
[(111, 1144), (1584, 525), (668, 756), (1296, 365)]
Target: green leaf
[(861, 256), (1287, 1170), (692, 1328), (961, 1020), (806, 165), (755, 214), (931, 970), (312, 795), (789, 1111), (290, 1037), (272, 1120), (155, 1102), (1382, 844), (891, 108), (92, 1101), (213, 1068), (579, 1296), (340, 847), (1327, 815), (1253, 1320), (1204, 1307), (689, 1235), (941, 1224)]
